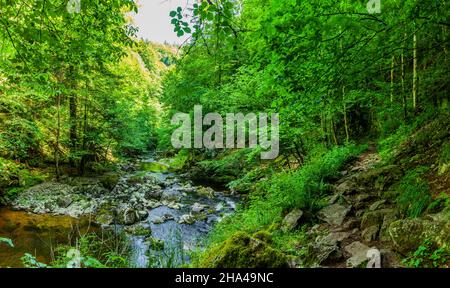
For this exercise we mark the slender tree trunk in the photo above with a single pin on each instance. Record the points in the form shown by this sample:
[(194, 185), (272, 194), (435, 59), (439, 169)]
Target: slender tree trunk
[(405, 103), (347, 135), (83, 145), (73, 127), (58, 131), (333, 131), (392, 78), (415, 88)]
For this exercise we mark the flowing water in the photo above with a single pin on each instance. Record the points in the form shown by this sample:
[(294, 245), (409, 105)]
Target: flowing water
[(39, 234)]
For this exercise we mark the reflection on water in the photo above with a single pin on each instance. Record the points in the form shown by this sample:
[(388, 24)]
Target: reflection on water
[(37, 234)]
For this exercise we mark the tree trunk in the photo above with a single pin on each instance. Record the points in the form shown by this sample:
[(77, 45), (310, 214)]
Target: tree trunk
[(415, 88), (405, 103), (83, 145), (347, 135), (392, 78), (73, 127), (58, 131), (333, 131)]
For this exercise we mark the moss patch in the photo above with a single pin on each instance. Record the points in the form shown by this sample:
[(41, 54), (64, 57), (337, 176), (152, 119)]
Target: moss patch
[(242, 250)]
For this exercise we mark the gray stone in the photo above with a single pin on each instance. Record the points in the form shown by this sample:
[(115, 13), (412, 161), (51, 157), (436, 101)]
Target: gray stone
[(376, 205), (171, 195), (64, 201), (370, 234), (197, 207), (371, 218), (291, 221), (334, 214), (358, 252), (351, 224), (187, 219)]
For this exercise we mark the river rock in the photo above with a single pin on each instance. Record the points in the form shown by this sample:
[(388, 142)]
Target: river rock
[(172, 205), (152, 192), (129, 216), (187, 219), (334, 214), (205, 192), (291, 221), (162, 219), (139, 230), (171, 195), (197, 207)]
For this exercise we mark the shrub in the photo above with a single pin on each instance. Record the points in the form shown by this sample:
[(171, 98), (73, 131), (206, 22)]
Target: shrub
[(428, 256), (414, 196)]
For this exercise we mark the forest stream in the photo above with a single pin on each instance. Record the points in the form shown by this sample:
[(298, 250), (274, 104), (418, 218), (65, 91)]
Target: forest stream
[(163, 214)]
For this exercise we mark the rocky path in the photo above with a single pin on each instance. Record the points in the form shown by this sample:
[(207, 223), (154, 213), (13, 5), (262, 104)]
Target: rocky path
[(361, 221)]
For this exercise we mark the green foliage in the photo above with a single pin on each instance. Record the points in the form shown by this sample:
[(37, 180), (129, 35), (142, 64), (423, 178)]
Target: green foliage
[(16, 177), (441, 202), (108, 250), (414, 196), (30, 261), (428, 256), (7, 241), (303, 189), (444, 159), (77, 88), (243, 251)]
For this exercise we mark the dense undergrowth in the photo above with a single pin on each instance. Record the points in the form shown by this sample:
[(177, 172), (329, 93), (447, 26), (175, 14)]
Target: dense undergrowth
[(270, 199)]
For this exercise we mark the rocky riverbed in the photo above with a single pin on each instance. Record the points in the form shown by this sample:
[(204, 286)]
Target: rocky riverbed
[(162, 213)]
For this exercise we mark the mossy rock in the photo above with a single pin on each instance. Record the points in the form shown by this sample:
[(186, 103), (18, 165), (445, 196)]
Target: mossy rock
[(139, 230), (244, 251), (105, 214), (109, 180), (379, 178), (408, 234)]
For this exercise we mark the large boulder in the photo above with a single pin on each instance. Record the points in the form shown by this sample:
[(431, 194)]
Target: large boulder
[(409, 234), (334, 214), (244, 251)]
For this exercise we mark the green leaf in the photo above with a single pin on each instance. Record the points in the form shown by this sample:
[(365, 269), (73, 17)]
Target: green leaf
[(173, 13), (7, 241)]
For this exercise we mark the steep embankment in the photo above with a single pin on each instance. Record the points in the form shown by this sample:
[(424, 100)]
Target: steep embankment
[(393, 197)]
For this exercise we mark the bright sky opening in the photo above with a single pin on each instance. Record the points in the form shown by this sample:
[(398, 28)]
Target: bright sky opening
[(153, 20)]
